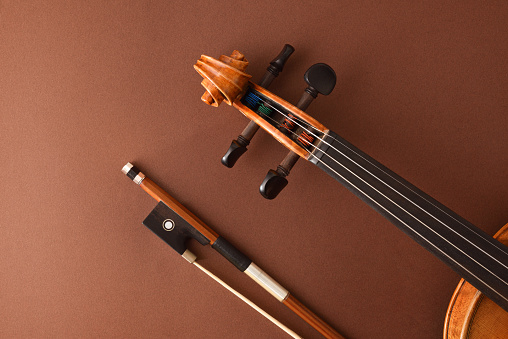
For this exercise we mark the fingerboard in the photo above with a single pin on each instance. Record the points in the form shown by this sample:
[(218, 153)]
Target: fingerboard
[(477, 257)]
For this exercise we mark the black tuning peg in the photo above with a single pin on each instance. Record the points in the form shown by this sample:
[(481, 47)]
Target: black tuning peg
[(235, 151), (321, 79), (273, 184), (239, 146)]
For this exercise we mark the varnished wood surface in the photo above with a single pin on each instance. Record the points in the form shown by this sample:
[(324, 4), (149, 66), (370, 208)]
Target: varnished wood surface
[(303, 312), (160, 195), (224, 79), (471, 315), (213, 96)]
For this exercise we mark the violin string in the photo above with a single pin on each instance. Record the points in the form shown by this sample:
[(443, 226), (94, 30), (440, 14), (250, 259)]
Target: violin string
[(247, 301), (422, 237), (410, 189), (387, 185), (305, 129), (331, 169), (434, 217)]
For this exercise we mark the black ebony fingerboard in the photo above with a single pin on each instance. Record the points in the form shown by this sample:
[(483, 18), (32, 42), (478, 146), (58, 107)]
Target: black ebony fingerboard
[(480, 259)]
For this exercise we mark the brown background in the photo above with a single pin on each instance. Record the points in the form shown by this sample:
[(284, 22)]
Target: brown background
[(87, 86)]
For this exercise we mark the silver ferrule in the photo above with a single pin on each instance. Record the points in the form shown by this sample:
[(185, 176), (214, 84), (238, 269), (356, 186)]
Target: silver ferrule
[(139, 178), (127, 168)]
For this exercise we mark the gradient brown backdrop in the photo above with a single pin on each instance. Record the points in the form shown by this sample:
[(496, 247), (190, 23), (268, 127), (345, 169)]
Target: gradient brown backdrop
[(86, 86)]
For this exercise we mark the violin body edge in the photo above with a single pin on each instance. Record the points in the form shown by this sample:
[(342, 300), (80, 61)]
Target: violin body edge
[(471, 315)]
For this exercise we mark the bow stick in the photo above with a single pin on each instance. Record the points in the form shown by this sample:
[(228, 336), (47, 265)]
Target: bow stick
[(175, 224), (480, 259)]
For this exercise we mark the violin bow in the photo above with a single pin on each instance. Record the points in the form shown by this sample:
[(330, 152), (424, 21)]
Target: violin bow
[(477, 257), (175, 225)]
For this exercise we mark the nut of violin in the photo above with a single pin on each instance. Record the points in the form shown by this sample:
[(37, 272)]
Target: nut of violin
[(224, 79)]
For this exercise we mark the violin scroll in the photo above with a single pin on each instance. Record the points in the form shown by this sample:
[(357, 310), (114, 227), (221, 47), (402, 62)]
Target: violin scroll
[(223, 79)]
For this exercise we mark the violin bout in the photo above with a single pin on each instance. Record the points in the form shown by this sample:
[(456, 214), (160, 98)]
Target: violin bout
[(223, 79), (471, 314)]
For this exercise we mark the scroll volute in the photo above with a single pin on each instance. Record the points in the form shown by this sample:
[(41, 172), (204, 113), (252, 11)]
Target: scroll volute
[(224, 79)]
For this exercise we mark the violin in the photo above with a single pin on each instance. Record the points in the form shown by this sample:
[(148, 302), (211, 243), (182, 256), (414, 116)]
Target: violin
[(480, 302)]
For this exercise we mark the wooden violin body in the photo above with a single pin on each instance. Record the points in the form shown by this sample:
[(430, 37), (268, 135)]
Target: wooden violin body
[(471, 315)]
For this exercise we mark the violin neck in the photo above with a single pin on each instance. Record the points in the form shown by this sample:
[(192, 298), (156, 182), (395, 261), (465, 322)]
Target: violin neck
[(472, 253)]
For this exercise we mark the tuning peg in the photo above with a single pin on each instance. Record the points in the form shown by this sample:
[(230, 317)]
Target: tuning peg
[(273, 184), (239, 146), (321, 79), (235, 151)]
